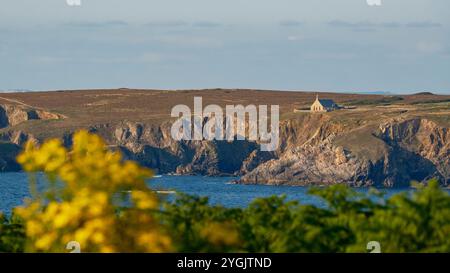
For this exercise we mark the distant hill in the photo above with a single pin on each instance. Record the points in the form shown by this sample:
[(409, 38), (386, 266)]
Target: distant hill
[(386, 93), (424, 94), (15, 90)]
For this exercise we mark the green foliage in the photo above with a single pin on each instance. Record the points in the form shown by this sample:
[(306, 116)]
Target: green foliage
[(189, 216), (12, 234), (416, 221), (413, 221)]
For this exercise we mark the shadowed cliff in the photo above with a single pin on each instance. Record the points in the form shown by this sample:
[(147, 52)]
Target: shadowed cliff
[(381, 141)]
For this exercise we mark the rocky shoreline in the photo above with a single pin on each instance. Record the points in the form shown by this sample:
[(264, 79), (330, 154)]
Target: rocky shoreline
[(406, 150), (387, 147)]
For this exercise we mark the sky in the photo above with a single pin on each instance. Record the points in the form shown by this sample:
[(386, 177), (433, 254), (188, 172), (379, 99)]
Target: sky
[(402, 46)]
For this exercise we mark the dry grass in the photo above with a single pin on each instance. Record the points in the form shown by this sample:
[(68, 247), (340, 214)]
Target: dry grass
[(92, 107)]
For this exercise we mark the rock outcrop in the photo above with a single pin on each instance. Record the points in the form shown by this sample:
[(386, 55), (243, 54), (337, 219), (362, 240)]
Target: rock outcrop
[(153, 146), (11, 115), (401, 151), (8, 153), (313, 150)]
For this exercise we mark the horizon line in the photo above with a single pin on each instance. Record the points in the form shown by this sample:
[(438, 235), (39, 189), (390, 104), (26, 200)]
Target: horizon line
[(369, 92)]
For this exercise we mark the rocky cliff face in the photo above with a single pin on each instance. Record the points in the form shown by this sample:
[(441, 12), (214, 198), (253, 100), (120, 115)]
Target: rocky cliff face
[(420, 149), (153, 146), (11, 115), (11, 141), (313, 150), (8, 153), (393, 155)]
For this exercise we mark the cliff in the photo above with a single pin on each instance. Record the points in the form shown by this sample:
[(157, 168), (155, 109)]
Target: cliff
[(392, 155), (380, 145)]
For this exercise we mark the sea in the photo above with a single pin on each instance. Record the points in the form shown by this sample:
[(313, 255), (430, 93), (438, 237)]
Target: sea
[(14, 189)]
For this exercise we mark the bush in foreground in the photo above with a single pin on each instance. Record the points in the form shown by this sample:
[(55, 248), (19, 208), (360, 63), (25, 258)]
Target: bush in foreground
[(102, 202)]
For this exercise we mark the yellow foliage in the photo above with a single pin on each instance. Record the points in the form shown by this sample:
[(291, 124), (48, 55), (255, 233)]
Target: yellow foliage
[(93, 186), (220, 234)]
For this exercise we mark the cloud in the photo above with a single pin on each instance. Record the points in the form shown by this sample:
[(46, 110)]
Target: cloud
[(430, 47), (162, 58), (346, 24), (175, 24), (151, 57), (207, 24), (391, 25), (168, 24), (356, 26), (295, 38), (147, 57), (291, 23), (367, 25), (337, 56), (423, 24), (189, 41), (113, 23), (50, 59)]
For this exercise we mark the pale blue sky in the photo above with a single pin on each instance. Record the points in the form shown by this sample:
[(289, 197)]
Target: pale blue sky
[(327, 45)]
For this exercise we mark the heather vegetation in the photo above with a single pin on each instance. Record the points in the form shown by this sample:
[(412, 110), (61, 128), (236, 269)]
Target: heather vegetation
[(102, 202)]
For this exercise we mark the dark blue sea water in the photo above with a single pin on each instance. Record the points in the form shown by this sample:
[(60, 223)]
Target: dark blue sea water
[(14, 188)]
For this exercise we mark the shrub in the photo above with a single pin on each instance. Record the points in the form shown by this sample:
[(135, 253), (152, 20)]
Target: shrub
[(96, 198), (87, 206)]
